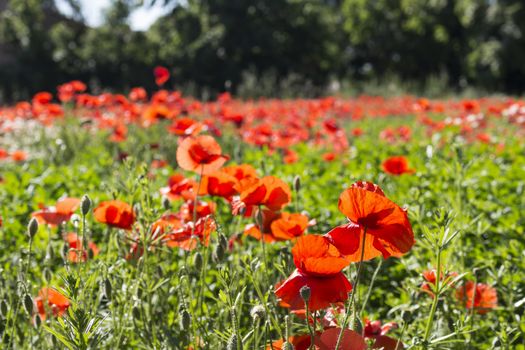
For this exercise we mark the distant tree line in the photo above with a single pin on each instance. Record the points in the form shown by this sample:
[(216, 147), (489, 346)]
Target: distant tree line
[(216, 45)]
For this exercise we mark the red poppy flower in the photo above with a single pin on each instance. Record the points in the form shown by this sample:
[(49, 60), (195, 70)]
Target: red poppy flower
[(388, 231), (351, 340), (299, 342), (219, 184), (268, 191), (480, 296), (397, 166), (241, 171), (201, 154), (19, 156), (116, 214), (318, 266), (56, 215), (50, 299), (190, 235), (185, 127), (75, 246), (203, 209), (179, 187), (162, 74), (289, 226), (268, 217)]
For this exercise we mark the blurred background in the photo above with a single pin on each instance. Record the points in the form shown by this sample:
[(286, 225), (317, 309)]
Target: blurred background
[(271, 48)]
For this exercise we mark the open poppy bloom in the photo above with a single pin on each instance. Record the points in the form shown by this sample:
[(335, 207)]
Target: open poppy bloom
[(75, 247), (350, 340), (268, 191), (397, 166), (278, 226), (318, 266), (185, 127), (49, 299), (162, 74), (116, 214), (190, 234), (480, 296), (240, 172), (179, 187), (299, 342), (219, 184), (201, 154), (203, 209), (56, 215), (388, 231), (375, 330)]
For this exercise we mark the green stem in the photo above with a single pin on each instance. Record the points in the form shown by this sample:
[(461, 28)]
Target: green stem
[(354, 291), (433, 309), (308, 325)]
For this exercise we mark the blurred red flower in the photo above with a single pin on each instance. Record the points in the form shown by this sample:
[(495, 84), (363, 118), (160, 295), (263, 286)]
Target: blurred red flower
[(116, 214), (201, 154), (397, 165), (59, 213), (49, 299), (162, 74), (480, 296)]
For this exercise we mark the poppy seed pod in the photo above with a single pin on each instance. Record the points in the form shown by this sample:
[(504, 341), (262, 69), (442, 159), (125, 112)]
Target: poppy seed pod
[(305, 293), (185, 320), (85, 204), (32, 227), (28, 304), (218, 252), (47, 274), (166, 204)]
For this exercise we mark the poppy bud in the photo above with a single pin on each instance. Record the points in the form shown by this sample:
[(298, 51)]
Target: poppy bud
[(185, 320), (232, 343), (135, 312), (32, 227), (28, 304), (218, 252), (166, 204), (107, 288), (223, 241), (305, 293), (47, 274), (50, 254), (4, 308), (297, 183), (197, 261), (358, 325), (65, 251), (259, 217), (85, 204), (38, 321), (258, 312), (287, 346)]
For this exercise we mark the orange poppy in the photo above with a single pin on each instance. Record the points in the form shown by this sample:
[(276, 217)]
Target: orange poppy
[(397, 166), (241, 171), (201, 154), (318, 266), (178, 187), (268, 217), (480, 296), (268, 191), (289, 226), (56, 215), (75, 245), (430, 278), (56, 302), (375, 330), (185, 127), (191, 234), (116, 214), (19, 156), (299, 342), (219, 184), (388, 231), (203, 209), (162, 74), (350, 340)]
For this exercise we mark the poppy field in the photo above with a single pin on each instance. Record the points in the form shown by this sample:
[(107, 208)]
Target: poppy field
[(158, 221)]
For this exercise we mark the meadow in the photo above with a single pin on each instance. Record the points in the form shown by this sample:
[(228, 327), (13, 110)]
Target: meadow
[(157, 221)]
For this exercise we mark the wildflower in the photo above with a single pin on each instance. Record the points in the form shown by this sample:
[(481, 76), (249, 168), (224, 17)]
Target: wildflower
[(162, 74), (59, 213), (480, 296), (388, 231), (51, 299), (350, 340), (318, 266), (116, 214), (75, 247), (201, 154), (190, 234), (430, 278), (397, 166), (179, 187)]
